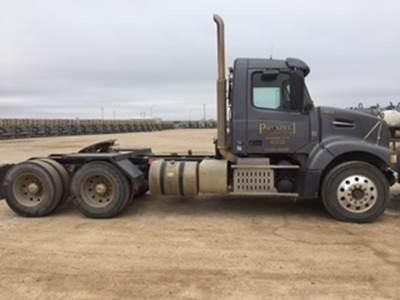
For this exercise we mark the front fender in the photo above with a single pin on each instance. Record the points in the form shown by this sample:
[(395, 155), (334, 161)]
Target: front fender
[(324, 153)]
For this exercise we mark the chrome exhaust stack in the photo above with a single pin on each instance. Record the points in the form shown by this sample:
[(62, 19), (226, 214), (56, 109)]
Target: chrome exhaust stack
[(221, 85), (222, 139)]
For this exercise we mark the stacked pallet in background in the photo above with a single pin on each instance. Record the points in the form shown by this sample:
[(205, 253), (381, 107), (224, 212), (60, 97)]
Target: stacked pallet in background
[(27, 128), (196, 124), (24, 128)]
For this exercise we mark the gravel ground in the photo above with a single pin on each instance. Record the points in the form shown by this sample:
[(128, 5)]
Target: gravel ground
[(193, 248)]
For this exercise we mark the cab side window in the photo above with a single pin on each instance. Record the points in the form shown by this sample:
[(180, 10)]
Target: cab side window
[(270, 94), (267, 97)]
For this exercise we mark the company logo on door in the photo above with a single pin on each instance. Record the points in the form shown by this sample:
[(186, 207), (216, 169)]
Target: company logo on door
[(277, 128)]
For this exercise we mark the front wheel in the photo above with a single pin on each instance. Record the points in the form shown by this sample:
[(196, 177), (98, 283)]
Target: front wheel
[(355, 192)]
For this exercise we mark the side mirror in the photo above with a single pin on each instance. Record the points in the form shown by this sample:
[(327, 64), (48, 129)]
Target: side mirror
[(297, 90)]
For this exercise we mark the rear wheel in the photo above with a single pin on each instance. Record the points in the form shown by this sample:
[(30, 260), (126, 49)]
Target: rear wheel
[(65, 178), (355, 192), (100, 190), (33, 189)]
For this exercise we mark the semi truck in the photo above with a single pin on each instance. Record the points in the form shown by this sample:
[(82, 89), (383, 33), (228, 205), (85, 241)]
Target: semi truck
[(272, 141)]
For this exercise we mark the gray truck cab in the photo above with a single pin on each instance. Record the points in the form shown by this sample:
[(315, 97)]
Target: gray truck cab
[(272, 115)]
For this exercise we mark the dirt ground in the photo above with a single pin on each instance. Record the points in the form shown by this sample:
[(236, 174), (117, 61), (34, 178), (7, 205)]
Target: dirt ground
[(193, 248)]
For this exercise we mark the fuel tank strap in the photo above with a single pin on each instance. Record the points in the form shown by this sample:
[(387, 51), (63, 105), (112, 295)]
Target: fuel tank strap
[(162, 171)]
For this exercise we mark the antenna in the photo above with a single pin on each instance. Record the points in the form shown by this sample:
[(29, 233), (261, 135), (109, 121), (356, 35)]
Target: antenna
[(272, 52)]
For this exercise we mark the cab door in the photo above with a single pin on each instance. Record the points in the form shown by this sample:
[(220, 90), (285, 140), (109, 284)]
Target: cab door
[(272, 125)]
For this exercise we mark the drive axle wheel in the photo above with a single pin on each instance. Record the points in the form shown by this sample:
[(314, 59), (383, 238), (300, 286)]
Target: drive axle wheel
[(65, 178), (29, 190), (355, 192), (33, 189), (100, 190)]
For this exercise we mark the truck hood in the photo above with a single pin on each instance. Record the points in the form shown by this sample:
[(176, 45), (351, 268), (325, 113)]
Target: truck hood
[(353, 124)]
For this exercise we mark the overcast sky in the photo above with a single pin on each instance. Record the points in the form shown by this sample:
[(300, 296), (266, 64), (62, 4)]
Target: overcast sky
[(63, 58)]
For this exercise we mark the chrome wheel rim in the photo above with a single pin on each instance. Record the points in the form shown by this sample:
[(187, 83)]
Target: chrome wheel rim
[(357, 193)]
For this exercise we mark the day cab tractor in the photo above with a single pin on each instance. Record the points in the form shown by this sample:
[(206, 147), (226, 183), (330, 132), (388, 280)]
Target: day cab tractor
[(271, 142)]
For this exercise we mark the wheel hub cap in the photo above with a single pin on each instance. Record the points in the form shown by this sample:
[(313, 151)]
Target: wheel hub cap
[(357, 193), (98, 190), (33, 188), (101, 189), (28, 190)]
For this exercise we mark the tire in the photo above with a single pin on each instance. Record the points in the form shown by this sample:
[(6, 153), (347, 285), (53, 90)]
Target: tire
[(33, 189), (65, 178), (355, 191), (100, 190)]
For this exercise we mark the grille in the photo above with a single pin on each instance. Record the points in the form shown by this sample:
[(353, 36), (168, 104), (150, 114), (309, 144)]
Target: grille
[(253, 180)]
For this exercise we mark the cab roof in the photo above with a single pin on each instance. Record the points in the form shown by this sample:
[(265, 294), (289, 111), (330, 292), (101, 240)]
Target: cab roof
[(277, 64)]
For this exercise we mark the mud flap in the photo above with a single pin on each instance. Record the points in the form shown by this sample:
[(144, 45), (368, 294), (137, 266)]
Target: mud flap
[(135, 175), (3, 171)]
